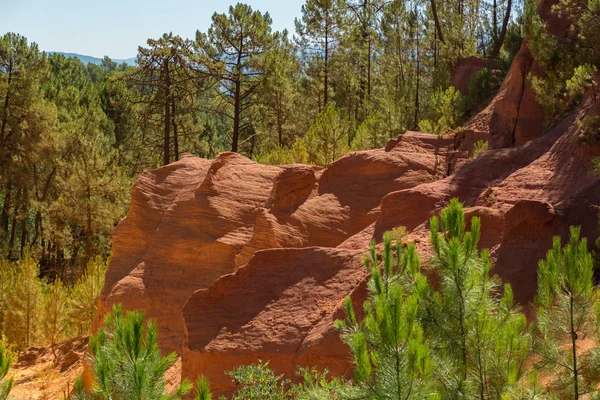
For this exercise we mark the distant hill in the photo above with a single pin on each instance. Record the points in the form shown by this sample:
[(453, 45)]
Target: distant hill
[(94, 60)]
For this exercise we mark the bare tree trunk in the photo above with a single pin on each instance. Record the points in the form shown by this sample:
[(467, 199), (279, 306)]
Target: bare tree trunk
[(167, 120), (6, 208), (175, 134), (436, 20), (498, 44)]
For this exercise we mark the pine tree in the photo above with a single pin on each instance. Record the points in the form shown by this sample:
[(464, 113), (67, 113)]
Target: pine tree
[(278, 98), (24, 310), (83, 301), (232, 53), (565, 302), (5, 384), (392, 359), (27, 126), (54, 323), (126, 361), (165, 83), (319, 32), (479, 335), (327, 138)]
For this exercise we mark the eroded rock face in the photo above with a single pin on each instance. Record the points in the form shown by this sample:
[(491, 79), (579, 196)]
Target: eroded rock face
[(196, 220), (514, 117), (283, 310), (239, 261), (187, 223), (524, 195)]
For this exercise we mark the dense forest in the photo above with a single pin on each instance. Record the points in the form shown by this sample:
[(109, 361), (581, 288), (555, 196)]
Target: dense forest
[(353, 74)]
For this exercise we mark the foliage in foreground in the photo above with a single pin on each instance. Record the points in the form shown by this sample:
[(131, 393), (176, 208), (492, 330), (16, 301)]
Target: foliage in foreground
[(5, 384), (126, 361)]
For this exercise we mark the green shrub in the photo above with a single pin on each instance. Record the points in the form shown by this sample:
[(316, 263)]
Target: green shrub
[(589, 127), (479, 147), (259, 382), (480, 89), (126, 361), (446, 111), (5, 384)]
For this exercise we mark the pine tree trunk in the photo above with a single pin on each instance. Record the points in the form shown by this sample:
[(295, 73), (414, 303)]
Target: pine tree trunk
[(89, 229), (502, 37), (574, 350), (167, 116), (13, 230), (37, 231), (280, 128), (495, 22), (237, 101), (5, 113), (236, 116), (175, 134), (326, 66), (416, 120), (24, 223), (436, 20), (6, 208)]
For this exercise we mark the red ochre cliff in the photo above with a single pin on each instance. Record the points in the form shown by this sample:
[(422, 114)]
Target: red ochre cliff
[(240, 262)]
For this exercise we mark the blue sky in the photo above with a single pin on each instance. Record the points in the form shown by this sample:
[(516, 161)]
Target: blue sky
[(117, 27)]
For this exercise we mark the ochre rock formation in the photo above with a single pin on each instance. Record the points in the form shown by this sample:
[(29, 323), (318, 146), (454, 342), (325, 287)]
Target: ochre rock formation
[(281, 305), (514, 117), (196, 220), (240, 262)]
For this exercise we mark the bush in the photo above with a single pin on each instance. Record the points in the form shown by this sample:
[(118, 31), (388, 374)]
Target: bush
[(479, 147), (446, 111), (480, 89), (259, 382)]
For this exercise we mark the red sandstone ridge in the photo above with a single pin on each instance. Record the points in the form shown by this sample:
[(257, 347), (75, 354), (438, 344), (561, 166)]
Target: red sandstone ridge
[(239, 261), (196, 220), (282, 304)]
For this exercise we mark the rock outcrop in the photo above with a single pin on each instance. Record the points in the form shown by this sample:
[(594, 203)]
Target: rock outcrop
[(240, 262), (196, 220)]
